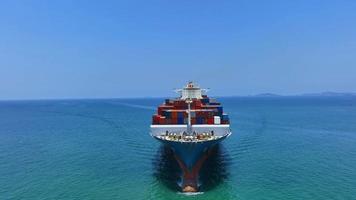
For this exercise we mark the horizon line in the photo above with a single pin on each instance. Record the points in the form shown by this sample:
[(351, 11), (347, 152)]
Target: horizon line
[(267, 94)]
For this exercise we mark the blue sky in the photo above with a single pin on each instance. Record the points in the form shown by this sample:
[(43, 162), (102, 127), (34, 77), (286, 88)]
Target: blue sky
[(100, 49)]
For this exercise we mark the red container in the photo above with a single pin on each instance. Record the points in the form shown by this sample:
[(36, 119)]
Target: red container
[(196, 104), (162, 120), (198, 113), (159, 110), (196, 107), (174, 114), (155, 119), (179, 103), (174, 121), (168, 121), (224, 121), (205, 114), (164, 107), (210, 120)]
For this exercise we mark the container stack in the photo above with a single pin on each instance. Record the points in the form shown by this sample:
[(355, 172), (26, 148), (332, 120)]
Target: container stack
[(225, 119), (203, 111)]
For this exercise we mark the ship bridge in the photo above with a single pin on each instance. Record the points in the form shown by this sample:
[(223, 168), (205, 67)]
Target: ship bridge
[(191, 91)]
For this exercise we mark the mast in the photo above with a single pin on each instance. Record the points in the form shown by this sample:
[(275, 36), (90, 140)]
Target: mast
[(189, 124), (188, 93)]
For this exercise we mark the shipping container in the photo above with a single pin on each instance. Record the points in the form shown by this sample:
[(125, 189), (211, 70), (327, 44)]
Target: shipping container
[(196, 104), (159, 111), (205, 101), (179, 103), (212, 107), (225, 117), (220, 109), (174, 121), (180, 114), (165, 113), (162, 120), (168, 121), (206, 113), (174, 114), (155, 119), (225, 122), (210, 120), (210, 114), (161, 108), (199, 120), (180, 120), (217, 120)]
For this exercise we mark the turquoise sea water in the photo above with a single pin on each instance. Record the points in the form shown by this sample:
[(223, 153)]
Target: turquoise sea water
[(281, 148)]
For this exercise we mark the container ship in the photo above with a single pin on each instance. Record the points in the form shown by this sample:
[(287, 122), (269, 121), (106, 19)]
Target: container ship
[(190, 125)]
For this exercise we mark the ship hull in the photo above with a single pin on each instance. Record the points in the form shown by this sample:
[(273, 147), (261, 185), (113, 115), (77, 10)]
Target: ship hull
[(189, 153), (190, 157)]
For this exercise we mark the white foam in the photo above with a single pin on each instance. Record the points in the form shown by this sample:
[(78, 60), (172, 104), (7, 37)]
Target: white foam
[(191, 193)]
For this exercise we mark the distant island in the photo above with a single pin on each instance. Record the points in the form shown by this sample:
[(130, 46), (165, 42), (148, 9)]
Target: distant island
[(267, 95), (331, 94)]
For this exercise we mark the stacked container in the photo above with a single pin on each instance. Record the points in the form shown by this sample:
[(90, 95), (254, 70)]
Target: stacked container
[(203, 111)]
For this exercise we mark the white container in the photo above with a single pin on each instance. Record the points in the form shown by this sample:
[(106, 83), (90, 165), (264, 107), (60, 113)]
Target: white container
[(217, 120)]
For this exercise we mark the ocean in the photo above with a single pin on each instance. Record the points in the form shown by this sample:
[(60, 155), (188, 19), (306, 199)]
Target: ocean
[(281, 148)]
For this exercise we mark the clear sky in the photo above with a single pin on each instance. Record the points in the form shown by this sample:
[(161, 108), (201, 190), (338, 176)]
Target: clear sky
[(99, 49)]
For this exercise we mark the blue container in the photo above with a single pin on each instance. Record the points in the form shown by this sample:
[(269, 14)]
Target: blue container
[(180, 120), (225, 117), (205, 100), (220, 109), (199, 120), (164, 113), (168, 114), (180, 115), (214, 103)]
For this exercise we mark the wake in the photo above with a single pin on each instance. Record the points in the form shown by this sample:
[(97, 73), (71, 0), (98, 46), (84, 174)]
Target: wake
[(135, 106)]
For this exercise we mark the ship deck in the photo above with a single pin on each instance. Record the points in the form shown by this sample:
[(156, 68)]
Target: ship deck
[(188, 138)]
